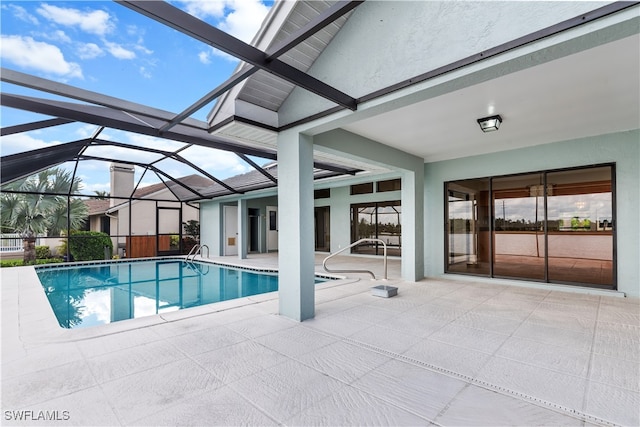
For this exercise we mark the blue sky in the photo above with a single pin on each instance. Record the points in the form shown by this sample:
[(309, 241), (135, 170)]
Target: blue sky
[(107, 48)]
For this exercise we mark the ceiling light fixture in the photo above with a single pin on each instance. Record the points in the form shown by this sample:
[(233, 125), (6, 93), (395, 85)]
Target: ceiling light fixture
[(490, 124)]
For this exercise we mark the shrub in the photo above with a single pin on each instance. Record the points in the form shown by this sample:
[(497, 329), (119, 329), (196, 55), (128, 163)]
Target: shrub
[(89, 245), (20, 263), (192, 229), (43, 252)]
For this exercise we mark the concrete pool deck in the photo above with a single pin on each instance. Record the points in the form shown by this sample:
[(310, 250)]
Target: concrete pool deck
[(445, 351)]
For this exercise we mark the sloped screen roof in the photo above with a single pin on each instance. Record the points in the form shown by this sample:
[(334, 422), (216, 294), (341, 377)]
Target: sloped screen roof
[(20, 165), (105, 111)]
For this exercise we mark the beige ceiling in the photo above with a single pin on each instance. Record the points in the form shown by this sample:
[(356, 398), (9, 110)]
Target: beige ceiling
[(593, 92)]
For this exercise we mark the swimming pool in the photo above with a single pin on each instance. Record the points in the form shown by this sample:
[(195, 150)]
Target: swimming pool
[(96, 294)]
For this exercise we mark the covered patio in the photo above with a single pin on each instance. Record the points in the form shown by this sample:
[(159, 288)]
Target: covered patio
[(449, 349), (455, 351)]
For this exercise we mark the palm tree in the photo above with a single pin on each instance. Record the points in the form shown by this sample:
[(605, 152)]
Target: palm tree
[(40, 206), (102, 195)]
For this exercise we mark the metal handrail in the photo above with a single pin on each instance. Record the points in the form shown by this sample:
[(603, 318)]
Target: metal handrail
[(197, 249), (324, 263), (204, 246), (194, 250)]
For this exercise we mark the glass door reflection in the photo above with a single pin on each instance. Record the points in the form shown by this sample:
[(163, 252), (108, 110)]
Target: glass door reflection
[(518, 236)]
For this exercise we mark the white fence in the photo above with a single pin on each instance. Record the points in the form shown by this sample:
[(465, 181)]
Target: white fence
[(12, 243)]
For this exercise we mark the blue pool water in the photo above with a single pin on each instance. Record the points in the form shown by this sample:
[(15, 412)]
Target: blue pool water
[(96, 294)]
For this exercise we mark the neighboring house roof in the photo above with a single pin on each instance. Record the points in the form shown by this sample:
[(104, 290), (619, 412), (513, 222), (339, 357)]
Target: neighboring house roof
[(178, 192), (255, 180), (194, 181), (97, 206)]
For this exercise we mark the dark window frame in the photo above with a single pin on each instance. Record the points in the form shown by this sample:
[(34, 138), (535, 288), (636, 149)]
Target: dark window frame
[(492, 218)]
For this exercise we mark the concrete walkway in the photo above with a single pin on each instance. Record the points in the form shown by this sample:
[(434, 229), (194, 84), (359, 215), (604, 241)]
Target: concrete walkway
[(443, 352)]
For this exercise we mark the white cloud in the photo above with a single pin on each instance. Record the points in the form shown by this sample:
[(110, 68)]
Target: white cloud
[(203, 9), (91, 188), (205, 57), (20, 142), (28, 53), (57, 35), (88, 50), (144, 72), (245, 20), (86, 130), (95, 22), (152, 142), (240, 18), (22, 14), (60, 35), (221, 164), (118, 51), (141, 48)]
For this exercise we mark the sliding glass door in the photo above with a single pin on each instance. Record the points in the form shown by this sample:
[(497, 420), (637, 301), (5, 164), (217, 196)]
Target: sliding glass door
[(580, 240), (469, 245), (381, 220), (518, 232), (551, 226)]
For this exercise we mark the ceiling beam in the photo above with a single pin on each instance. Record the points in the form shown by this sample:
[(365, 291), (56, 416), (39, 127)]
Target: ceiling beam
[(20, 165), (334, 168), (179, 20), (72, 92), (146, 166), (10, 130), (258, 168), (176, 181), (167, 154), (316, 24), (144, 125), (215, 93)]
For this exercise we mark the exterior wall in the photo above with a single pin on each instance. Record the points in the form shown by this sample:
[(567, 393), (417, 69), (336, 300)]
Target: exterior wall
[(339, 202), (340, 211), (432, 34), (623, 149), (211, 220), (211, 226)]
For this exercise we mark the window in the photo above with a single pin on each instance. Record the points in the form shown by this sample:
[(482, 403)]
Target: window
[(552, 226), (273, 221), (324, 193), (322, 227), (105, 224), (389, 185), (362, 188), (377, 221)]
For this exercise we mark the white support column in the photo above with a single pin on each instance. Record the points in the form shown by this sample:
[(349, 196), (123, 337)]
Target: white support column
[(243, 228), (349, 145), (412, 193), (296, 288)]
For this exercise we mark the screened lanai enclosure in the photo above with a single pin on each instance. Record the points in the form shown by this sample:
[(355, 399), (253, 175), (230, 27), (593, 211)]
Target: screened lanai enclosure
[(151, 205)]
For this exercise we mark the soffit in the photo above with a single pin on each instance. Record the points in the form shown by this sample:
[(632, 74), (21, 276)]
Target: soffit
[(261, 138), (589, 93), (266, 90)]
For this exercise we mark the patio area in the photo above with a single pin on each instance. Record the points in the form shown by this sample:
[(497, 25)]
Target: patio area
[(444, 351)]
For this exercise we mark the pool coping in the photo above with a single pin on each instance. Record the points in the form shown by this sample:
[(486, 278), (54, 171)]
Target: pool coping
[(38, 324)]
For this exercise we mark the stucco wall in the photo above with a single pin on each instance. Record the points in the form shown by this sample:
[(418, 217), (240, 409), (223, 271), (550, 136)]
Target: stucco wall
[(621, 148), (431, 33), (340, 212), (211, 220), (210, 226)]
